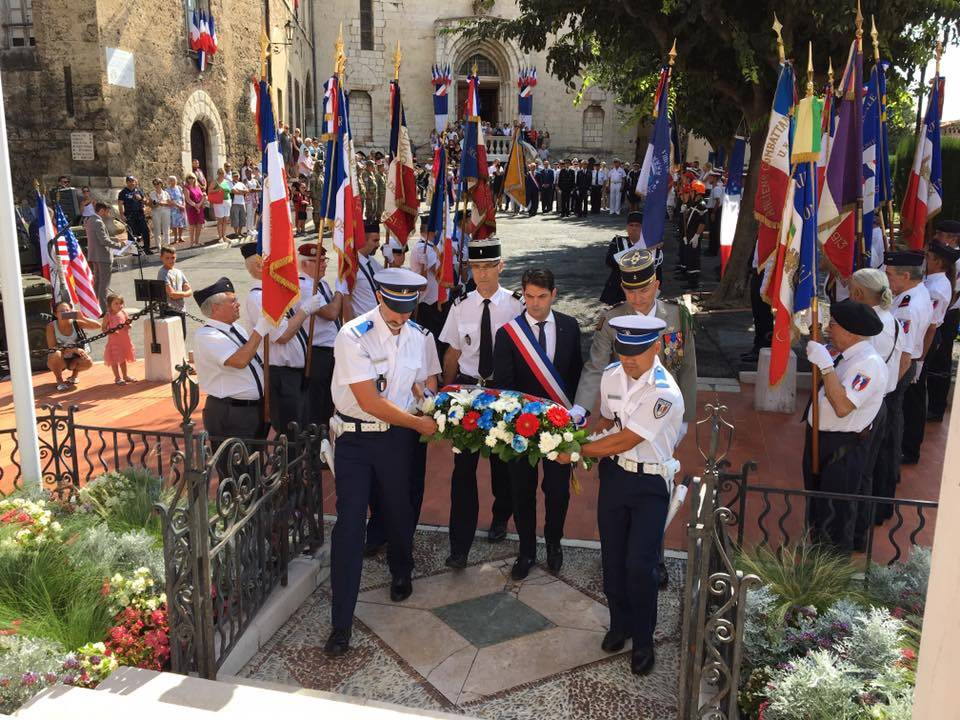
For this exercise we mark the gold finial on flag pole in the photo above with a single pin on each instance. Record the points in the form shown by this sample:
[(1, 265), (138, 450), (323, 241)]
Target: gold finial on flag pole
[(859, 22), (810, 70), (264, 50), (777, 27), (339, 55), (939, 53), (876, 42), (830, 73), (397, 57), (673, 53), (474, 69)]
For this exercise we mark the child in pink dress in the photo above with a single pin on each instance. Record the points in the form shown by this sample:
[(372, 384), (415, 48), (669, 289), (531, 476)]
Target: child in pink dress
[(119, 350)]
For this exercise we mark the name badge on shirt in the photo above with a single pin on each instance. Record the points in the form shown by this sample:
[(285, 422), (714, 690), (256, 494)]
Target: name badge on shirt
[(466, 339)]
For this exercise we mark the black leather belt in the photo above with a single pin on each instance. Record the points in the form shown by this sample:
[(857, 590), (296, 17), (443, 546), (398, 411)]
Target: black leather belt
[(234, 402)]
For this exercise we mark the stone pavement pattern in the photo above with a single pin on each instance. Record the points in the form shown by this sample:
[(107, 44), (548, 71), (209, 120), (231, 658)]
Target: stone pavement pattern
[(523, 650)]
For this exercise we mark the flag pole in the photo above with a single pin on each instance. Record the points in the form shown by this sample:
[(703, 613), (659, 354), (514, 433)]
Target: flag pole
[(936, 80), (886, 223), (465, 196), (339, 64), (264, 59), (814, 307), (859, 240)]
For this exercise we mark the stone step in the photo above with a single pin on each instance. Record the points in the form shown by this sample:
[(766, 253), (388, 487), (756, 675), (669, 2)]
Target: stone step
[(60, 702), (244, 698)]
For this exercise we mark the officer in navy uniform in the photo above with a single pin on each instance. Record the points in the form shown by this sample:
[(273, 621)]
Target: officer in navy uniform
[(288, 347), (319, 401), (694, 226), (229, 366), (612, 292), (641, 411), (470, 330), (379, 365), (854, 383)]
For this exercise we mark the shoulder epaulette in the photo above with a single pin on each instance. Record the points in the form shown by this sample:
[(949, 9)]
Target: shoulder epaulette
[(612, 365), (417, 327), (360, 328), (660, 377), (518, 295), (905, 302), (459, 299)]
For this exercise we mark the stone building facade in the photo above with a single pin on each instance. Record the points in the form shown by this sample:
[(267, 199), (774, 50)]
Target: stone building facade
[(98, 89), (595, 126)]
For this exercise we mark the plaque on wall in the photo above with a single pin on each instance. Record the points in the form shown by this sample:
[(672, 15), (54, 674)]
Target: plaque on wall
[(81, 145), (120, 68)]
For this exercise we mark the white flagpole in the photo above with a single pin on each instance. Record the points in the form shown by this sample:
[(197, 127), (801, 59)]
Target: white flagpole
[(15, 321)]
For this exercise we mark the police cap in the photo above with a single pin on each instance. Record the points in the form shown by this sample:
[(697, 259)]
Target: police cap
[(635, 333), (947, 252), (903, 258), (248, 249), (637, 268), (400, 288), (484, 250)]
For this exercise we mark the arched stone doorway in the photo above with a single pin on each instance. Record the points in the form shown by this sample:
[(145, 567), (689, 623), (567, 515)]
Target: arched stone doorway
[(490, 86), (201, 134), (497, 70)]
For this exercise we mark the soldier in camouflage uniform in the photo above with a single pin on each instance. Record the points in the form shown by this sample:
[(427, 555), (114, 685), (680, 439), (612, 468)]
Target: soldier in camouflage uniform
[(679, 357), (316, 193), (381, 178), (370, 192)]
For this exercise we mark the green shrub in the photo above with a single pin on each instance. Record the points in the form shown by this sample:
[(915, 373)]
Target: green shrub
[(27, 666), (124, 500), (807, 575), (902, 585), (819, 686), (47, 594), (110, 552), (875, 642)]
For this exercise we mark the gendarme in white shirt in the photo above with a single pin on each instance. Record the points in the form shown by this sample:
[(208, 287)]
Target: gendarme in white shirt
[(462, 329), (863, 375), (424, 261)]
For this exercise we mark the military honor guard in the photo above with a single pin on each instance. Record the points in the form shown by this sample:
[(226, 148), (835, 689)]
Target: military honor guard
[(854, 383), (326, 324), (612, 291), (363, 298), (695, 224), (229, 366), (641, 417), (547, 178), (940, 362), (914, 309), (288, 347), (470, 330), (538, 353), (379, 366), (678, 350)]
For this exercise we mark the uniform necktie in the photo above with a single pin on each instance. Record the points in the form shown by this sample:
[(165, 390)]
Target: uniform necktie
[(486, 342), (301, 334), (257, 359), (542, 334), (803, 418)]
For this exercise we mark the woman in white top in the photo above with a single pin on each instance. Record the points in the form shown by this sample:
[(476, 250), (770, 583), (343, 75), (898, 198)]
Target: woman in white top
[(160, 205), (879, 477), (603, 177)]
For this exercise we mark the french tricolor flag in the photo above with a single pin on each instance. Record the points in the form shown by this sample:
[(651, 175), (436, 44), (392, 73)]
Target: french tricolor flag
[(472, 108), (281, 288), (924, 196)]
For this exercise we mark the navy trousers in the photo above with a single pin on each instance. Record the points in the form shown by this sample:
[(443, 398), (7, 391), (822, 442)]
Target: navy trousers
[(465, 499), (381, 462), (376, 535), (631, 512)]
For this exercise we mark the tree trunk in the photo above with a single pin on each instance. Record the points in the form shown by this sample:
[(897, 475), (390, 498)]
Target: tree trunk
[(735, 284)]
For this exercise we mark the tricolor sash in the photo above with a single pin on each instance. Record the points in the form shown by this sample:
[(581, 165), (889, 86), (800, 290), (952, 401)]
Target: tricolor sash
[(536, 358)]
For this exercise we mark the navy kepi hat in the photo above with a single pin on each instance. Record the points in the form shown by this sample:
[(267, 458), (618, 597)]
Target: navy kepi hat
[(484, 250), (903, 258), (857, 318), (951, 227), (635, 217), (220, 286), (637, 268), (248, 249), (400, 288), (635, 333)]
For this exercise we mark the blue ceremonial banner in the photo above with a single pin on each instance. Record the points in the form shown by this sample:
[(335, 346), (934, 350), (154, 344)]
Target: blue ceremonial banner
[(805, 210), (884, 178), (654, 181), (735, 171), (871, 152)]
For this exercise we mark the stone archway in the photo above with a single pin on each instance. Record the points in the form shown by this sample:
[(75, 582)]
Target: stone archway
[(200, 108), (505, 56)]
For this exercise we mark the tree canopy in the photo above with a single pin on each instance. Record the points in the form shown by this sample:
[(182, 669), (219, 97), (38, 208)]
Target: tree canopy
[(727, 62)]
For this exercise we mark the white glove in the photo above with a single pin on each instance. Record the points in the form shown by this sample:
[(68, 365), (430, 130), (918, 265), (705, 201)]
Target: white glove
[(263, 327), (695, 241), (916, 377), (578, 415), (818, 355), (312, 304)]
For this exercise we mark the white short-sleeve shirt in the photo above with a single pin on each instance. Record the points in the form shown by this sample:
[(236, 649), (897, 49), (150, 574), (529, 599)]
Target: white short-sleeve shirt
[(364, 296), (424, 261), (366, 349), (863, 375), (215, 343), (941, 294), (914, 310), (651, 406), (889, 345), (462, 328), (324, 331), (292, 353)]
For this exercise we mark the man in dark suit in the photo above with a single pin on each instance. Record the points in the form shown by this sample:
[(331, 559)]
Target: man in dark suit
[(532, 187), (566, 180), (558, 336), (596, 186), (547, 179), (584, 178)]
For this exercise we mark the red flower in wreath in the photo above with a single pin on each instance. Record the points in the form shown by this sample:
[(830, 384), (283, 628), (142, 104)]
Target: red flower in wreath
[(558, 416), (527, 424), (470, 421)]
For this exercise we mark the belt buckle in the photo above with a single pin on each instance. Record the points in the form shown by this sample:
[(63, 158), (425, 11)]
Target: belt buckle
[(336, 425)]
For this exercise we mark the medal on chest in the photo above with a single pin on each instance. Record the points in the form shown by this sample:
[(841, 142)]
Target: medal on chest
[(672, 350)]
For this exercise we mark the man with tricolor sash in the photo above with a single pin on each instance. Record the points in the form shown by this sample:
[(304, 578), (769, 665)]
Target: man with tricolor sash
[(538, 353)]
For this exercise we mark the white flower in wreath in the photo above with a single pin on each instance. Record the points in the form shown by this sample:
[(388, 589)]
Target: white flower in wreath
[(441, 421), (549, 442), (429, 405), (552, 455), (490, 440), (574, 456), (568, 437), (465, 397)]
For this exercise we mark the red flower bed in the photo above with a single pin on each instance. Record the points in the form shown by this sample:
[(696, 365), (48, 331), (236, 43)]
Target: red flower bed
[(141, 638)]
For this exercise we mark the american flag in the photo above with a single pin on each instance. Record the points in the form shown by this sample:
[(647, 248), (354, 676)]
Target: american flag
[(78, 276)]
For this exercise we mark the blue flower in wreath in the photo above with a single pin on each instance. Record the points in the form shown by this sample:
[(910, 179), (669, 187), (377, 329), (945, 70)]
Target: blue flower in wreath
[(443, 398), (519, 443), (511, 415), (455, 413), (483, 401), (485, 422), (534, 408), (510, 394)]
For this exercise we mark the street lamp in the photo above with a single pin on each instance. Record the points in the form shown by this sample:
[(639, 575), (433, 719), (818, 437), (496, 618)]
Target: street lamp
[(288, 37)]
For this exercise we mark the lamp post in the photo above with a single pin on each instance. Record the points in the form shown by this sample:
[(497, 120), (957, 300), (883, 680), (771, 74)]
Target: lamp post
[(15, 320)]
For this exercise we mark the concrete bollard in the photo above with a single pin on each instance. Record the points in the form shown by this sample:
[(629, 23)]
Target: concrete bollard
[(783, 397), (161, 367)]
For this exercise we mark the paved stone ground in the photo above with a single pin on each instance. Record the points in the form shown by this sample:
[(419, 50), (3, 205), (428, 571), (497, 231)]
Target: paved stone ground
[(574, 248)]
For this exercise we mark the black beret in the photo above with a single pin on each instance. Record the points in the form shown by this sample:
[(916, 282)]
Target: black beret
[(947, 252), (371, 226), (951, 227), (903, 258), (635, 217), (220, 286), (856, 318), (248, 249)]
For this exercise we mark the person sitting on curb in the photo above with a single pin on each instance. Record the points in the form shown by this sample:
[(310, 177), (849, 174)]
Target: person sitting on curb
[(67, 329)]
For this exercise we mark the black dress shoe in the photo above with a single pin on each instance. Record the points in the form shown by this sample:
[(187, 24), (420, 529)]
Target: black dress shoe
[(338, 643), (664, 580), (641, 661), (373, 549), (497, 532), (934, 418), (456, 561), (554, 557), (613, 641), (907, 460), (521, 568), (400, 589)]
